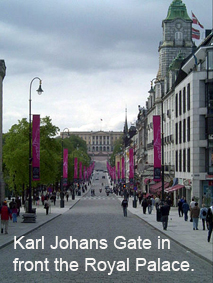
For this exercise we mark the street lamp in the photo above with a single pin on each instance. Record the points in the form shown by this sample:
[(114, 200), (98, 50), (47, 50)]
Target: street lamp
[(39, 90), (152, 91), (62, 158)]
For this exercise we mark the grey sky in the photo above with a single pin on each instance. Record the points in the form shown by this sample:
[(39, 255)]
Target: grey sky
[(95, 58)]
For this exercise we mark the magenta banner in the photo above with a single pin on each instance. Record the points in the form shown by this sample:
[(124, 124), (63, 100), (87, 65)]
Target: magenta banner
[(123, 170), (131, 165), (36, 147), (80, 171), (65, 166), (157, 147), (75, 169), (118, 170)]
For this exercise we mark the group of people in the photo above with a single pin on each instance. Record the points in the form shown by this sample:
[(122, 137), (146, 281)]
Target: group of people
[(205, 214)]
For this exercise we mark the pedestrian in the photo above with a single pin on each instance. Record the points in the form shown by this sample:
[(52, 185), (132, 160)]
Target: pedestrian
[(18, 204), (165, 208), (140, 197), (144, 205), (157, 202), (209, 221), (149, 202), (195, 212), (180, 208), (5, 215), (185, 208), (67, 195), (191, 205), (203, 213), (14, 213), (47, 205), (42, 199), (125, 205)]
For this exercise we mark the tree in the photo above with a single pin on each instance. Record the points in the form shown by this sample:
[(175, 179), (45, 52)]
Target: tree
[(16, 155), (118, 147)]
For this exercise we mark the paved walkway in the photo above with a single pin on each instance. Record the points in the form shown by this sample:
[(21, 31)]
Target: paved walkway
[(178, 229)]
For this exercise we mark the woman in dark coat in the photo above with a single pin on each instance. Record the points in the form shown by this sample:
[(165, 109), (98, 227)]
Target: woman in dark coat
[(144, 205)]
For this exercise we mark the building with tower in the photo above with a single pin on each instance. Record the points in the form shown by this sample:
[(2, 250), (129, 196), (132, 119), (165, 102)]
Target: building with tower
[(181, 94)]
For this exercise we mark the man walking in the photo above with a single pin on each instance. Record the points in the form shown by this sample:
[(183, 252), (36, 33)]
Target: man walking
[(209, 221), (165, 208), (125, 205), (5, 215)]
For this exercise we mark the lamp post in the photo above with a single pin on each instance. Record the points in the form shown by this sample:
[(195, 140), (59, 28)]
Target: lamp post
[(62, 158), (39, 90), (152, 91)]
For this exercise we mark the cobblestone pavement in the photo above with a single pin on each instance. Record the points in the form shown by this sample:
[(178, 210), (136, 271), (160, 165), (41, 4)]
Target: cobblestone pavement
[(100, 218)]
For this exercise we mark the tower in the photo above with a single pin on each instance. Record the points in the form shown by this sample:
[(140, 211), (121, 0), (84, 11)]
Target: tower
[(177, 37)]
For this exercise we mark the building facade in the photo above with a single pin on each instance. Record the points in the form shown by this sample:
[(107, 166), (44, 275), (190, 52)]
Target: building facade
[(98, 143), (182, 96)]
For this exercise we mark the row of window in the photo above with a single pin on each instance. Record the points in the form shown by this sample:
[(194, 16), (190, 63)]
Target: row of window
[(182, 131), (182, 161), (100, 148), (182, 101)]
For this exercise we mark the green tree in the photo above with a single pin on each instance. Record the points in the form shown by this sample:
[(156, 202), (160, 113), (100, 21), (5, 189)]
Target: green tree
[(118, 147), (16, 155), (76, 148)]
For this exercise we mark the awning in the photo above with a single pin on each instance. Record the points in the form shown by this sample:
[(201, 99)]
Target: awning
[(147, 180), (158, 187), (175, 188)]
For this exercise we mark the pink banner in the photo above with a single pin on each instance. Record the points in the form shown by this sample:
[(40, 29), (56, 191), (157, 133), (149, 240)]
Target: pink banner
[(157, 147), (131, 164), (80, 171), (123, 170), (65, 166), (75, 168), (118, 170), (36, 147)]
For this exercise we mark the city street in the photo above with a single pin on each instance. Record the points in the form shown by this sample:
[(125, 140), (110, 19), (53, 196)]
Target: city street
[(110, 257)]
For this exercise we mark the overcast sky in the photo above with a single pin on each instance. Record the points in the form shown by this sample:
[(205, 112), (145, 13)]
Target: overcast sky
[(95, 58)]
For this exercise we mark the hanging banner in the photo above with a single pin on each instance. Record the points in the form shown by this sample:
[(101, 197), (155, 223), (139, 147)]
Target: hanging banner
[(123, 170), (75, 169), (80, 171), (131, 165), (36, 147), (65, 166), (157, 148), (118, 171)]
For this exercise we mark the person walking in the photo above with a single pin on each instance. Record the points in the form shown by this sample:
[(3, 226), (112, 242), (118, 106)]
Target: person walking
[(209, 222), (149, 202), (195, 212), (144, 205), (185, 208), (180, 208), (125, 205), (203, 213), (47, 205), (5, 215), (165, 208), (191, 205)]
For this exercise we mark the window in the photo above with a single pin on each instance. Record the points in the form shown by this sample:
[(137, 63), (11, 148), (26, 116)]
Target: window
[(180, 132), (180, 161), (188, 160), (184, 100), (180, 103), (188, 129), (176, 133), (188, 97), (176, 105)]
